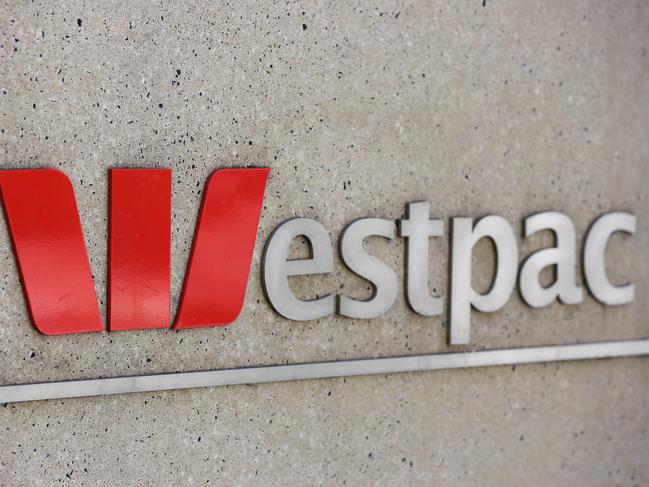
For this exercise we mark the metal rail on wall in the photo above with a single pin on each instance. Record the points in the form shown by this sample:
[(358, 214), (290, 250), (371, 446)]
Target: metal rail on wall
[(320, 370)]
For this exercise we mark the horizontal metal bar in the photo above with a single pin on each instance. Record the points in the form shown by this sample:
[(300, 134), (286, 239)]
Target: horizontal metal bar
[(320, 370)]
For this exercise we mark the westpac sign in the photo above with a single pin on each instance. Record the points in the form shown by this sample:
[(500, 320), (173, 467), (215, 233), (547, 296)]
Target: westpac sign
[(44, 224)]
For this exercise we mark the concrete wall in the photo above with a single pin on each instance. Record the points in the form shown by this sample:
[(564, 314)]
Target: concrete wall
[(506, 107)]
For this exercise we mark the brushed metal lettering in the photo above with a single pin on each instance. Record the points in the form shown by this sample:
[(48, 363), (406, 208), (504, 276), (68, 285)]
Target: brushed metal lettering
[(378, 273), (563, 257), (595, 259), (464, 237), (277, 269), (417, 228)]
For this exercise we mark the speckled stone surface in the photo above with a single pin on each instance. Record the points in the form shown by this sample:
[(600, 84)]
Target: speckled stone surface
[(499, 107)]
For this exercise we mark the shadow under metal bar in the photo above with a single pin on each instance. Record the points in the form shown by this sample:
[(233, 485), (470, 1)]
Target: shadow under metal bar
[(320, 370)]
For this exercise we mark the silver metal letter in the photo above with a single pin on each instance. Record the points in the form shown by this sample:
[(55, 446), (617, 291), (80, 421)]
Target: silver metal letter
[(563, 256), (464, 237), (595, 260), (418, 228), (277, 269), (368, 267)]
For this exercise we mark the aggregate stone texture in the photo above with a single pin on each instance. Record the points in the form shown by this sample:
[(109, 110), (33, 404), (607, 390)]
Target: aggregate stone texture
[(481, 107)]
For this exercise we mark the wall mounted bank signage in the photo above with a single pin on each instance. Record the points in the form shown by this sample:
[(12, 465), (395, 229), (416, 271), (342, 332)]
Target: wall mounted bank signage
[(44, 225)]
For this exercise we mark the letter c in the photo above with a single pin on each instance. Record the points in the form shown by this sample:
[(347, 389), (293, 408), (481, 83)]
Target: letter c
[(595, 261)]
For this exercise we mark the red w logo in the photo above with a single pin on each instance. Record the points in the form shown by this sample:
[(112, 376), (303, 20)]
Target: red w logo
[(43, 221)]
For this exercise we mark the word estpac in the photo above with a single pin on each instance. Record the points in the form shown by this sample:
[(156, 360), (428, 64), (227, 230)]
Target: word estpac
[(417, 228)]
